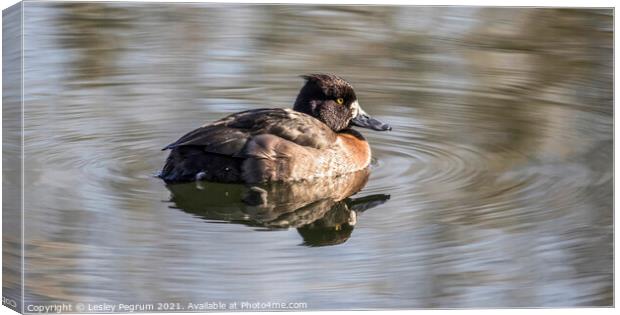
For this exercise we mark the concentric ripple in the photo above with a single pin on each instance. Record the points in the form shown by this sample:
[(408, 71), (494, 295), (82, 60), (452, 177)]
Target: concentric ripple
[(407, 158), (492, 185)]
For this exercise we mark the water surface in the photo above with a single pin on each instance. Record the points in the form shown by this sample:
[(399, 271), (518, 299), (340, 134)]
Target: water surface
[(494, 188)]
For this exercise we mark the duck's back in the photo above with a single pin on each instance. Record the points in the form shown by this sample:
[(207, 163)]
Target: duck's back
[(251, 146)]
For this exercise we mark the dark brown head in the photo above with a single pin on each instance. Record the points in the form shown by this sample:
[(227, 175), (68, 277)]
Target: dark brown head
[(332, 100)]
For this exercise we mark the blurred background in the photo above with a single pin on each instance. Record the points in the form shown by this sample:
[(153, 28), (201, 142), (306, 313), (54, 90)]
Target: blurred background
[(498, 168)]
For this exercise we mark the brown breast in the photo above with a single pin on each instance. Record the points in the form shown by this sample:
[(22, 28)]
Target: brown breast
[(356, 150)]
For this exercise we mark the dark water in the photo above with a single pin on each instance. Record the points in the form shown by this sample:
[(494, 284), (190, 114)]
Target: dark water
[(493, 190)]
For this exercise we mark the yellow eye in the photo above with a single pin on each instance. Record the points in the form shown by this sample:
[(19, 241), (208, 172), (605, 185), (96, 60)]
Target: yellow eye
[(340, 101)]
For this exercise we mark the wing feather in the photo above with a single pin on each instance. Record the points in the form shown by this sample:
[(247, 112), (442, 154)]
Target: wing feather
[(229, 135)]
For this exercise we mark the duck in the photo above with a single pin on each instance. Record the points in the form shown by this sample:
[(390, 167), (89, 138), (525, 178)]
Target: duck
[(314, 139)]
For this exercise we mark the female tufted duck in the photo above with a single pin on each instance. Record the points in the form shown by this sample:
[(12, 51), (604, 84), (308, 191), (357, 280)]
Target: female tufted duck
[(314, 139)]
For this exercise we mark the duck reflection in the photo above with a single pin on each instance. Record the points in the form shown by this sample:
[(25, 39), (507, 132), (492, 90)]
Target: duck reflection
[(321, 210)]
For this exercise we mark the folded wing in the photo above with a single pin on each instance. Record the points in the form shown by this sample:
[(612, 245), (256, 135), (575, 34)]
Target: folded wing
[(229, 135)]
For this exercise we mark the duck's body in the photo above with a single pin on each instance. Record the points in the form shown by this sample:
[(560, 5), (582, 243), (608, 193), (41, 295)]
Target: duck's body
[(312, 140)]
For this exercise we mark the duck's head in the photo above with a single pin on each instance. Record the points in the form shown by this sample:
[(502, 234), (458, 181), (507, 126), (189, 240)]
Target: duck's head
[(332, 100)]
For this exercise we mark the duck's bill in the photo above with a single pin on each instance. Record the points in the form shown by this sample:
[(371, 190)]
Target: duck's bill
[(365, 121), (361, 119)]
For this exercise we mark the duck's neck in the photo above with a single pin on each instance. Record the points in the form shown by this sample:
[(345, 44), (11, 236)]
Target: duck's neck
[(306, 101), (306, 107)]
